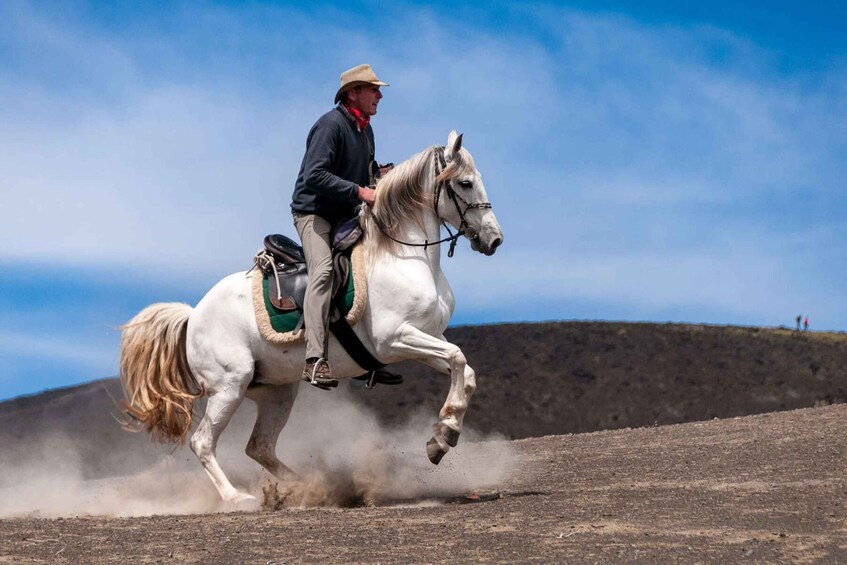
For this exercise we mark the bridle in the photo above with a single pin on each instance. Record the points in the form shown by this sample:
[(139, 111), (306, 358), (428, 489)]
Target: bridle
[(439, 165)]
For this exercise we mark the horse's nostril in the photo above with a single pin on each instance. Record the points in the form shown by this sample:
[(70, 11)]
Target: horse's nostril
[(496, 243)]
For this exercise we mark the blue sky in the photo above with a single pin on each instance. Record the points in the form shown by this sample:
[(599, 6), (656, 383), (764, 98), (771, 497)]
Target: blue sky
[(659, 161)]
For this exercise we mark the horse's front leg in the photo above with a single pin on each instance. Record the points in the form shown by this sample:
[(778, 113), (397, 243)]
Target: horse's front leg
[(452, 415), (447, 358)]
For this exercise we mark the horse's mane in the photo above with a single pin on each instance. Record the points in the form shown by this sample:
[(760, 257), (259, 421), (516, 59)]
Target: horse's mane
[(401, 196)]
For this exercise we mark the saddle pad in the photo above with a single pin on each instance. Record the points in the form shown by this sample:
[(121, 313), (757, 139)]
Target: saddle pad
[(276, 326), (286, 321)]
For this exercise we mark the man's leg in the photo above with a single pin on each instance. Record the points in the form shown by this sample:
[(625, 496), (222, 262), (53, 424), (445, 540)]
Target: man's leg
[(314, 235)]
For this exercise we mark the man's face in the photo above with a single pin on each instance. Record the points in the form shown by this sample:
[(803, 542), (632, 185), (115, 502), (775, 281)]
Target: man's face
[(365, 98)]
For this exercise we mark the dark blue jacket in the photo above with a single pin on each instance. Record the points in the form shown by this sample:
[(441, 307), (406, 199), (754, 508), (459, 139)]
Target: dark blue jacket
[(339, 159)]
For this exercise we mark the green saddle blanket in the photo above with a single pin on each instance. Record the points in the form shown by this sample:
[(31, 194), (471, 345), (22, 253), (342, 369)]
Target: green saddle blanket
[(286, 321)]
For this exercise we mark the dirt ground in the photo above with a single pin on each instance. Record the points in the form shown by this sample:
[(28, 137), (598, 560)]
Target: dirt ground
[(762, 489)]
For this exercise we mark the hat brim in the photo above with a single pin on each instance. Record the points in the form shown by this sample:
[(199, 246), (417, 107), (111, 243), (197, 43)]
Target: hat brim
[(354, 84)]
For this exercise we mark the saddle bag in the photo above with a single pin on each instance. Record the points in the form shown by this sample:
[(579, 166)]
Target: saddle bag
[(345, 234)]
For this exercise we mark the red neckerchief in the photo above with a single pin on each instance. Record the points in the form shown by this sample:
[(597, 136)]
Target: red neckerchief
[(361, 120)]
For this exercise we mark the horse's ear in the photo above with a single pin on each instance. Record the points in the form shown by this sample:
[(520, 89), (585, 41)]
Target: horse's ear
[(454, 143)]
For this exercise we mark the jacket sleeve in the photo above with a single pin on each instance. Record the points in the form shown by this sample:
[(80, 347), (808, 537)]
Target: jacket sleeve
[(321, 148)]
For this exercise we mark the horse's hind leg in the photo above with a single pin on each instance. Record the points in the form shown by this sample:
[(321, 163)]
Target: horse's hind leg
[(447, 358), (273, 406), (219, 410)]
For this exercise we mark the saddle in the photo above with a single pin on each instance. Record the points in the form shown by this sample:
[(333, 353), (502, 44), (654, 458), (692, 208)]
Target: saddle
[(284, 264), (284, 268)]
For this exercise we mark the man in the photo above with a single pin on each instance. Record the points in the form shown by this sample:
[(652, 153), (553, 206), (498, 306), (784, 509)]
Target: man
[(337, 174)]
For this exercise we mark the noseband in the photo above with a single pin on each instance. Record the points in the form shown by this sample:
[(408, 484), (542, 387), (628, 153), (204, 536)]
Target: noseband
[(439, 165)]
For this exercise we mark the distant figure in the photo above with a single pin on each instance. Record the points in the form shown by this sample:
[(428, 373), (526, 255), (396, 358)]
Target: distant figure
[(806, 324), (799, 318)]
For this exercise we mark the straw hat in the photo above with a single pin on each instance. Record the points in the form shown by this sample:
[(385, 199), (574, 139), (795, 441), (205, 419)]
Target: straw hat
[(358, 75)]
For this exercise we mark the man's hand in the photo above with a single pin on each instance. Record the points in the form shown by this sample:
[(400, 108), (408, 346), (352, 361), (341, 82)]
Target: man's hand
[(367, 195), (385, 168)]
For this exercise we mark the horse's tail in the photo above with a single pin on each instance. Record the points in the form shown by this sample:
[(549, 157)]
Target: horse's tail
[(157, 381)]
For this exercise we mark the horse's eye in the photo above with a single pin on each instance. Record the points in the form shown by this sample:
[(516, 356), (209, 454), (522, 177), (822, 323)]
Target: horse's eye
[(465, 184)]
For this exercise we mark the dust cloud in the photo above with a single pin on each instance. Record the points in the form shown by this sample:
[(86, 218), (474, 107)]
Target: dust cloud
[(342, 455)]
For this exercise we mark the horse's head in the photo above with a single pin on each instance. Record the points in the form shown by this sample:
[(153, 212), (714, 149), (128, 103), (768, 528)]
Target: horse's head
[(463, 202)]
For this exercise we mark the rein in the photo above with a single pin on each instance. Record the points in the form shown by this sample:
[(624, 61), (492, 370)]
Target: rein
[(439, 164)]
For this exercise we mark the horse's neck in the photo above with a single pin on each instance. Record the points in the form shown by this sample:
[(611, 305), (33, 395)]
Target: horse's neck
[(400, 276), (428, 230)]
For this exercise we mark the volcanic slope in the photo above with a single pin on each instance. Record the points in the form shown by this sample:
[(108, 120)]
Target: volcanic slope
[(566, 377)]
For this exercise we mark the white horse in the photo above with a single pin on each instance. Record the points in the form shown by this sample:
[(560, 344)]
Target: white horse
[(172, 354)]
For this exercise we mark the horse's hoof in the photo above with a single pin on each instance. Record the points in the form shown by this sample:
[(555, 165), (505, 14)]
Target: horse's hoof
[(450, 435), (242, 498), (434, 451)]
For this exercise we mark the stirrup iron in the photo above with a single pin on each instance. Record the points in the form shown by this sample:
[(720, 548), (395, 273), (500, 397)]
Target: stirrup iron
[(328, 383)]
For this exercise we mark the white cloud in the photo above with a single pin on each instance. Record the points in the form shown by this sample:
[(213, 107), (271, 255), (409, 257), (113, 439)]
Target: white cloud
[(740, 281)]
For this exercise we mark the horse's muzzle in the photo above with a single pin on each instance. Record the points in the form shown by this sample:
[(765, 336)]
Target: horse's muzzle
[(486, 247), (487, 236)]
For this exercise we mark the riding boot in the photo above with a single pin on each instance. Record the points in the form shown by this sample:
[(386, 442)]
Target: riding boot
[(317, 373)]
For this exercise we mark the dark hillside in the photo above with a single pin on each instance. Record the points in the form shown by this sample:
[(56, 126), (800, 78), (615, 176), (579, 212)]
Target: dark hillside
[(533, 380), (564, 377)]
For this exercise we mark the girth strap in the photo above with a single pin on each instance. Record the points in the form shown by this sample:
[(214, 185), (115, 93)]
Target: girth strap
[(353, 345), (342, 330)]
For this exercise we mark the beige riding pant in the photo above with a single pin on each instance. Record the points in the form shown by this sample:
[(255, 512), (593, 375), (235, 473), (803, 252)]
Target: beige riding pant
[(314, 235)]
